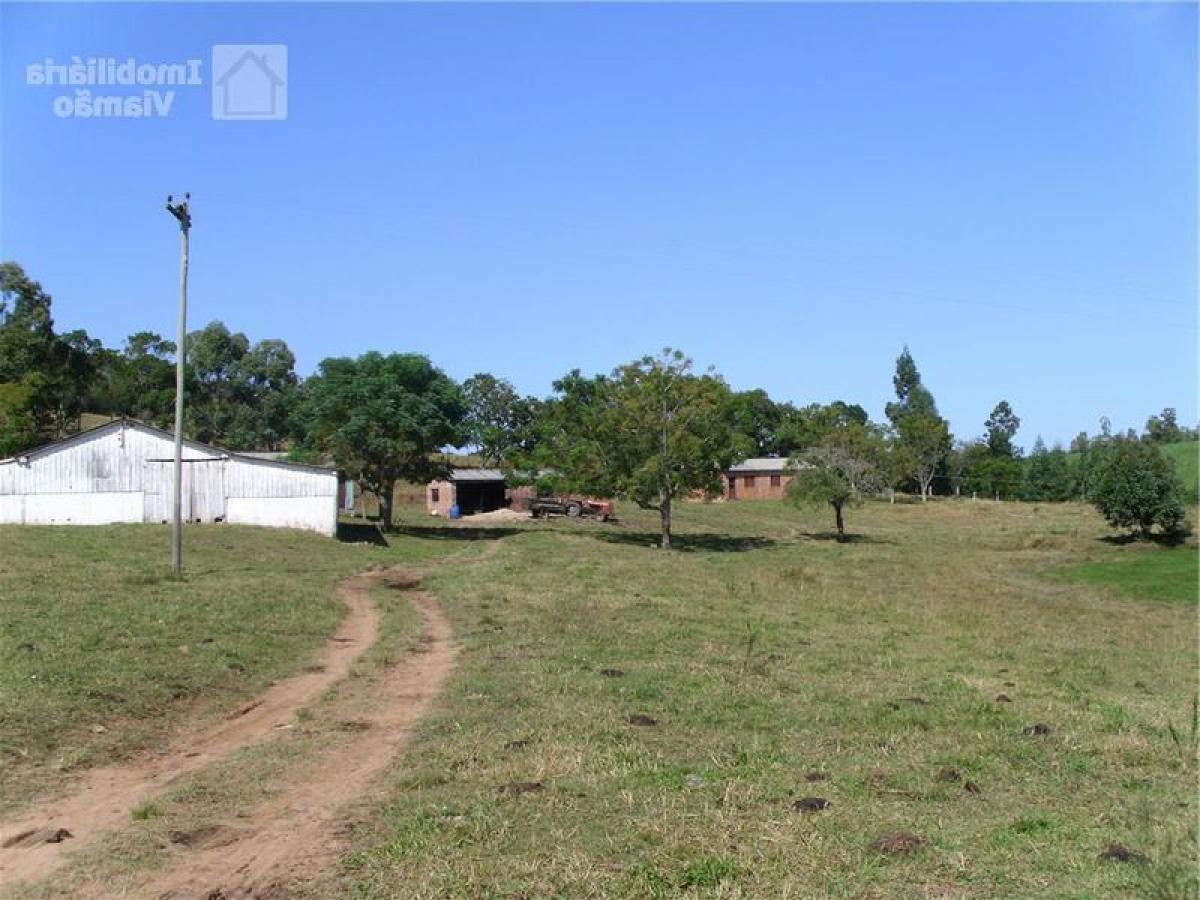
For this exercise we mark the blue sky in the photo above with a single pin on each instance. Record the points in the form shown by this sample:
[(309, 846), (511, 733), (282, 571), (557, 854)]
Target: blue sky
[(789, 193)]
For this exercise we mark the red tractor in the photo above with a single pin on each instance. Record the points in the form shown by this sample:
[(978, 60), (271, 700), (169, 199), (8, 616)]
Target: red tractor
[(572, 507)]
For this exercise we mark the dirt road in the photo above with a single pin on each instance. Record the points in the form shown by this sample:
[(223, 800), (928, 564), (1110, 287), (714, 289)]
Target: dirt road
[(284, 839)]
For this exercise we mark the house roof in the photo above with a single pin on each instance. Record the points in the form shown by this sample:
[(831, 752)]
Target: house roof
[(150, 429), (758, 464)]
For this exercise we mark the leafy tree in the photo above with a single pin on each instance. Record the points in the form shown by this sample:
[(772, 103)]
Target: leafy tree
[(907, 380), (958, 465), (266, 391), (71, 371), (808, 426), (652, 432), (26, 347), (1002, 426), (1164, 428), (925, 439), (845, 467), (1135, 487), (26, 326), (923, 436), (139, 381), (239, 395), (383, 418), (758, 417), (18, 429), (1048, 474), (998, 477), (213, 354), (54, 374), (499, 421)]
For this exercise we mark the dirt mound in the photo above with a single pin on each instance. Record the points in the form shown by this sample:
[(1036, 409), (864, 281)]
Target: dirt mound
[(498, 515)]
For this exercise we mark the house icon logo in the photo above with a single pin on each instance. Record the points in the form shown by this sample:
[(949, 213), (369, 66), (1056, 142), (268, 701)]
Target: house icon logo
[(249, 81)]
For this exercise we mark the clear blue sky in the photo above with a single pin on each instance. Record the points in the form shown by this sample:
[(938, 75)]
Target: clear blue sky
[(789, 193)]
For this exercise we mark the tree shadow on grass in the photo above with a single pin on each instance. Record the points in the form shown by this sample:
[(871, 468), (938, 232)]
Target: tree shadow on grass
[(842, 538), (456, 533), (1176, 539), (361, 533), (688, 543)]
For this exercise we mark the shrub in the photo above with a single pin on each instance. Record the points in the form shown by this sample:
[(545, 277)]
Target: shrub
[(1135, 487)]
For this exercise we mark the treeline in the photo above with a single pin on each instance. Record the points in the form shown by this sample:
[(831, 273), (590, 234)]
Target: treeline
[(239, 395), (650, 431)]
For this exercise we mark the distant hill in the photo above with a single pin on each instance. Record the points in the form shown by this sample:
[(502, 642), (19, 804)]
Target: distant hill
[(1186, 456)]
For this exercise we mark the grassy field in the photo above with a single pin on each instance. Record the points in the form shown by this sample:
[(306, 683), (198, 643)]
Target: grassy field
[(995, 691), (1147, 572), (777, 665)]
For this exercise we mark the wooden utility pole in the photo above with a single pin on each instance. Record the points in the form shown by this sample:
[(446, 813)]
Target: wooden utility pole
[(180, 211)]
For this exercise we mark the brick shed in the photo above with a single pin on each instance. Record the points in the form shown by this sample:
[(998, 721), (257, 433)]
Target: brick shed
[(475, 491), (760, 478)]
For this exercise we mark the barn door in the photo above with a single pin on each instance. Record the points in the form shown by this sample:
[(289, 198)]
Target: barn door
[(156, 487), (204, 485), (203, 490)]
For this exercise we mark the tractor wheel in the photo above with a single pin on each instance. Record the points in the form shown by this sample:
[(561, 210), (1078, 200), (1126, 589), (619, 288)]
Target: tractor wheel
[(574, 510)]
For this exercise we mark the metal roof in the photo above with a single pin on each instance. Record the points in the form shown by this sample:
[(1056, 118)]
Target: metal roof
[(761, 464), (142, 426), (476, 475)]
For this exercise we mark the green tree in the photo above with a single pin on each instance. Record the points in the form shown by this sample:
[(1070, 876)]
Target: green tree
[(499, 421), (845, 467), (55, 375), (140, 380), (383, 418), (26, 326), (266, 392), (18, 429), (213, 354), (1135, 487), (758, 417), (1048, 475), (923, 436), (1002, 426), (808, 426), (1164, 428), (240, 394), (652, 432)]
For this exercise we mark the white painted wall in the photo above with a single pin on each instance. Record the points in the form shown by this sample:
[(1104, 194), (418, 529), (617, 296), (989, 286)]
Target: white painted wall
[(94, 509), (311, 513), (12, 509)]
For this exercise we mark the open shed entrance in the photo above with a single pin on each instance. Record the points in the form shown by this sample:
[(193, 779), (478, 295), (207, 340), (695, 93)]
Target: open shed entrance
[(479, 496)]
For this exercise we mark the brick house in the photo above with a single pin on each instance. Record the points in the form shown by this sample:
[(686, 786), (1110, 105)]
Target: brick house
[(760, 478)]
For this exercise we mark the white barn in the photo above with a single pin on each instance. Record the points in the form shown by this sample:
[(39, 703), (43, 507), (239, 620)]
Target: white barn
[(122, 472)]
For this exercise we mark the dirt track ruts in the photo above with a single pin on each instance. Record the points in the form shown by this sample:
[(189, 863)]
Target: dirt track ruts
[(281, 836)]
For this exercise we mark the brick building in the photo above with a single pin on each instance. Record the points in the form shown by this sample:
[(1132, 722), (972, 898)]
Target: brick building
[(475, 491), (761, 478)]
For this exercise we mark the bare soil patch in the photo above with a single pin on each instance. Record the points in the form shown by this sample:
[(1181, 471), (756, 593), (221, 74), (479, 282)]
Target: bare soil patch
[(294, 838)]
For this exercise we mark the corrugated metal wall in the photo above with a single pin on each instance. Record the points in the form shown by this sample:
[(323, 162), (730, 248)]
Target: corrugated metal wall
[(123, 473), (102, 461), (255, 478)]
